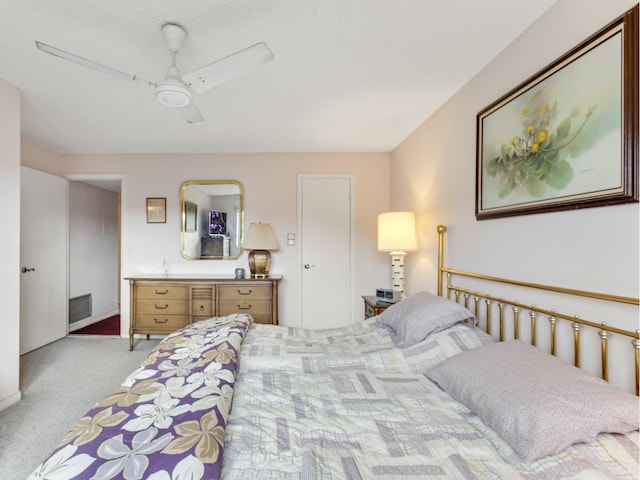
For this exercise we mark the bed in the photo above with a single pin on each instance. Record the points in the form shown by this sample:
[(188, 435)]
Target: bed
[(431, 388)]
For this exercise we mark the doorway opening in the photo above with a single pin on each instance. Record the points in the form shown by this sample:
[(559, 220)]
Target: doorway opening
[(94, 254)]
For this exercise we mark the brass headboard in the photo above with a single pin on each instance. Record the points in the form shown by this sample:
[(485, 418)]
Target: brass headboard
[(475, 297)]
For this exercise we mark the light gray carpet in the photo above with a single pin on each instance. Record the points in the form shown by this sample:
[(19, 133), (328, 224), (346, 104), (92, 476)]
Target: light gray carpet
[(59, 384)]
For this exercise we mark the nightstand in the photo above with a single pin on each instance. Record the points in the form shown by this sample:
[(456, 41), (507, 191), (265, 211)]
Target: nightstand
[(372, 307)]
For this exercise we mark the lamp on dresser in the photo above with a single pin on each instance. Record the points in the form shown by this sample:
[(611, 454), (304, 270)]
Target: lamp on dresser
[(397, 235), (259, 240)]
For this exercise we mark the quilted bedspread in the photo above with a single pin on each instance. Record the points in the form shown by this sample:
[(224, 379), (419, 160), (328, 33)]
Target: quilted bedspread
[(347, 404), (167, 419), (226, 398)]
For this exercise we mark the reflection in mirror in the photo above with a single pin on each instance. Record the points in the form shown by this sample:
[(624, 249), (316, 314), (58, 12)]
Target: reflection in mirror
[(212, 219)]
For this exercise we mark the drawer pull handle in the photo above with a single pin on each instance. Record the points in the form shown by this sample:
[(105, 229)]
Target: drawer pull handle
[(244, 307), (248, 292), (161, 307), (161, 321), (161, 292), (202, 308)]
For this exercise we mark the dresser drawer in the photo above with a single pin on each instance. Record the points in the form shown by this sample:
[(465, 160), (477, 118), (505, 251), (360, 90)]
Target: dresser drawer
[(202, 308), (167, 292), (161, 306), (244, 292), (262, 318), (202, 301), (160, 322), (255, 308)]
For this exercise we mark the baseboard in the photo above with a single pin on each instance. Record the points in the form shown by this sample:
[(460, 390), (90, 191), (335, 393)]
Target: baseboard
[(10, 400), (85, 322)]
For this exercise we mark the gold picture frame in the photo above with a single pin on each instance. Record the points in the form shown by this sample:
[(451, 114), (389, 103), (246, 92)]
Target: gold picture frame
[(156, 210), (567, 137)]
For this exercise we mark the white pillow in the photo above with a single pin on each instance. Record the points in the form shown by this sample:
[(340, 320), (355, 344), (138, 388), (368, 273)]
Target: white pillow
[(415, 317), (537, 403)]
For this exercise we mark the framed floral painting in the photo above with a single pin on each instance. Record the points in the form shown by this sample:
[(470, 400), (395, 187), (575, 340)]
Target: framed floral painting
[(566, 138)]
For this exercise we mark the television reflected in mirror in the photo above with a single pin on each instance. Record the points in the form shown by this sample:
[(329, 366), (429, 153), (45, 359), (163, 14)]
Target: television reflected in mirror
[(217, 223), (212, 216)]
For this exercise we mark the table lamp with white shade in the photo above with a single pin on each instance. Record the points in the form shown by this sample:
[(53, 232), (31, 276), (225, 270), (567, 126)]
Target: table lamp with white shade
[(397, 235), (259, 239)]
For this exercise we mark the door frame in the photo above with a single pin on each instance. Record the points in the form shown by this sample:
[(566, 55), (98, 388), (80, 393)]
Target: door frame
[(352, 184)]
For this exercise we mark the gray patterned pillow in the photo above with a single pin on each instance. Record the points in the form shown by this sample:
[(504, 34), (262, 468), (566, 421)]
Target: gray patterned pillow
[(415, 317), (539, 404)]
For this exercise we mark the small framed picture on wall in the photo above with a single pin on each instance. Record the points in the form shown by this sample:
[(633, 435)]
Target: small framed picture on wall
[(157, 210)]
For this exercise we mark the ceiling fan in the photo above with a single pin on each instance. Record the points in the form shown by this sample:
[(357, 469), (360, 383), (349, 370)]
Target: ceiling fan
[(176, 90)]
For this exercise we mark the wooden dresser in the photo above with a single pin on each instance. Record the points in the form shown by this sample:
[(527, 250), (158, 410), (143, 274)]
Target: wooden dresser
[(161, 305)]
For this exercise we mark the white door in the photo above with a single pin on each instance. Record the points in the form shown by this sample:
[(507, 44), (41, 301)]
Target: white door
[(325, 219), (43, 259)]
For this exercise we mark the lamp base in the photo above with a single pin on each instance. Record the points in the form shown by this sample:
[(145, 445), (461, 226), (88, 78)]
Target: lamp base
[(397, 271), (259, 263)]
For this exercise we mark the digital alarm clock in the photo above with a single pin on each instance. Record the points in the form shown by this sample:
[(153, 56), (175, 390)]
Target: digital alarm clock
[(387, 296)]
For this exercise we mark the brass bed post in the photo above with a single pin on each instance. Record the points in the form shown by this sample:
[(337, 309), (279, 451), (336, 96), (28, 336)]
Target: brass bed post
[(532, 314), (501, 307), (604, 335), (516, 323), (576, 344), (636, 345), (477, 305), (552, 325), (441, 229), (488, 329)]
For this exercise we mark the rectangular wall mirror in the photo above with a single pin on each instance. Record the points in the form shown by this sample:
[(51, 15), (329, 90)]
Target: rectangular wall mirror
[(212, 219)]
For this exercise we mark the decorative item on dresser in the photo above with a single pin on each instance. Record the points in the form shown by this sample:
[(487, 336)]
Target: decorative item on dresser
[(161, 304), (259, 240)]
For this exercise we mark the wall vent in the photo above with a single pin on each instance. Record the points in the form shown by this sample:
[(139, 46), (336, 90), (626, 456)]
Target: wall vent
[(79, 307)]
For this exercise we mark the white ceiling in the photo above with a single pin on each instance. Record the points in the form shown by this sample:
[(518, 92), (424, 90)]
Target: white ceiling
[(348, 75)]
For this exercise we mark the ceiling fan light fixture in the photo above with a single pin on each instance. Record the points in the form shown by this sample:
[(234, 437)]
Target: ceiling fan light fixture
[(174, 90), (173, 94)]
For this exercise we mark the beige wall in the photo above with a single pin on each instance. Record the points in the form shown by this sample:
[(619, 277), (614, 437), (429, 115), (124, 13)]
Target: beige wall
[(9, 243), (270, 186), (433, 172)]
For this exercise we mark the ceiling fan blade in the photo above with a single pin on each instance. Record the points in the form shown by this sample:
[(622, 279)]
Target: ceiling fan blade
[(90, 64), (228, 67), (191, 113)]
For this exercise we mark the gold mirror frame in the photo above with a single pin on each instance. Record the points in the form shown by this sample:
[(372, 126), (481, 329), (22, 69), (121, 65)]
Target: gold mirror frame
[(197, 199)]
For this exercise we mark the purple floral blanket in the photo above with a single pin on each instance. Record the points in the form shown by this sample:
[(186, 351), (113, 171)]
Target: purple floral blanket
[(167, 420)]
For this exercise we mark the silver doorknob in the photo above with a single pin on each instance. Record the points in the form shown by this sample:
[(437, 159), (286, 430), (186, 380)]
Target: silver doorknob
[(25, 270), (307, 266)]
